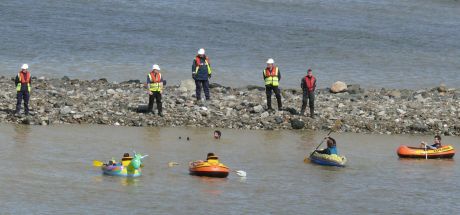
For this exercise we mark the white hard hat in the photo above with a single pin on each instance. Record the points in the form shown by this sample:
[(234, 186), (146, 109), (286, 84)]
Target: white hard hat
[(156, 67), (201, 51), (24, 66), (270, 61)]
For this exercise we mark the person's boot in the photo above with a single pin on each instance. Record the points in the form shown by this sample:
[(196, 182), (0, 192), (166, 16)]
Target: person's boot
[(312, 113), (302, 110), (280, 106)]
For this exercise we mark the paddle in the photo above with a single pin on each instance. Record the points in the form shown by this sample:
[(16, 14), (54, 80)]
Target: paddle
[(98, 163), (337, 124), (240, 173)]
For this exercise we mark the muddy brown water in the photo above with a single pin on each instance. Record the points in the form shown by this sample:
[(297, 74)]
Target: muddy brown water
[(48, 170)]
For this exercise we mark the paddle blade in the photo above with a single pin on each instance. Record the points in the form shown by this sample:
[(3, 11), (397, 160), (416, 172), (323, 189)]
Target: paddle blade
[(171, 164), (97, 163), (241, 173)]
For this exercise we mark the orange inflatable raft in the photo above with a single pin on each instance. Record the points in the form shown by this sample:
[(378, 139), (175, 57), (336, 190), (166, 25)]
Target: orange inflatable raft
[(209, 168), (447, 151)]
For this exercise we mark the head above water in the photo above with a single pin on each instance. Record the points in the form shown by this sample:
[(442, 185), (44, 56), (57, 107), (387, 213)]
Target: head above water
[(126, 155), (217, 134)]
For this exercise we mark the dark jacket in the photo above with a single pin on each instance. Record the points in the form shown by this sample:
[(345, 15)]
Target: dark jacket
[(303, 84), (202, 73)]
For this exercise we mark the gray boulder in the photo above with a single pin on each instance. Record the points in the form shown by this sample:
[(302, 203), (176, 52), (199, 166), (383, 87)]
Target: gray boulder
[(297, 124)]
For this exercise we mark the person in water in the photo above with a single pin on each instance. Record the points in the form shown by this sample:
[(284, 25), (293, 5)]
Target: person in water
[(126, 159), (331, 147), (217, 134), (211, 157), (436, 145)]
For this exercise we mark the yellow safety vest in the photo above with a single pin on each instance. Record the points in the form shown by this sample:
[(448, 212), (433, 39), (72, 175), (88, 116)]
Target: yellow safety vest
[(18, 87), (271, 78), (155, 82)]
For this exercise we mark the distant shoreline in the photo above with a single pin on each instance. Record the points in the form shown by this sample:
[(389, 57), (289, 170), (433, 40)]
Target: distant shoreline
[(379, 111)]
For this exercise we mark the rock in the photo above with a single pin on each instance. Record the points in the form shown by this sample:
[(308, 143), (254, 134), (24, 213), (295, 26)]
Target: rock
[(131, 82), (214, 85), (278, 120), (255, 87), (419, 127), (264, 114), (338, 87), (354, 89), (297, 124), (292, 111), (65, 110), (188, 84), (111, 91), (142, 108), (258, 109), (442, 88), (394, 94), (340, 105), (78, 116), (65, 78)]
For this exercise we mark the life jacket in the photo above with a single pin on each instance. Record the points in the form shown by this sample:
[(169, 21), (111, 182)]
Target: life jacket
[(333, 150), (155, 82), (198, 63), (24, 78), (271, 77), (126, 160), (212, 160), (310, 82)]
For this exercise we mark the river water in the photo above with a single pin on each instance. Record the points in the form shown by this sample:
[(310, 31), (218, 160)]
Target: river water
[(394, 43), (48, 170)]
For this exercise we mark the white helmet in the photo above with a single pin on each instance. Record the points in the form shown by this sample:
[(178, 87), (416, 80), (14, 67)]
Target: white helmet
[(156, 67), (201, 51), (270, 61), (24, 66)]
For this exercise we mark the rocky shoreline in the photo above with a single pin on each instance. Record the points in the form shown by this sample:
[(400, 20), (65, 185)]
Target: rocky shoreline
[(381, 111)]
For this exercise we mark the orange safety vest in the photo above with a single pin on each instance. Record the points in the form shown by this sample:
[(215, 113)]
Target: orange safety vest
[(24, 78), (310, 83), (155, 82), (271, 76)]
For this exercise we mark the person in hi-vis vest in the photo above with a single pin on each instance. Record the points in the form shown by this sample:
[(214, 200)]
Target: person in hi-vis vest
[(155, 88), (201, 73), (22, 82), (272, 76)]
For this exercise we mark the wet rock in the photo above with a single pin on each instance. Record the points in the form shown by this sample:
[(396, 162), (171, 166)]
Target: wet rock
[(297, 124), (292, 111), (354, 89), (65, 78), (258, 109), (394, 94), (255, 87), (442, 88), (339, 87), (65, 110), (419, 127), (278, 120)]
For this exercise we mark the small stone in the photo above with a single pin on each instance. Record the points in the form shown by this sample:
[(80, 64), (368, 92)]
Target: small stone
[(258, 109), (111, 91), (442, 88), (264, 114), (65, 110)]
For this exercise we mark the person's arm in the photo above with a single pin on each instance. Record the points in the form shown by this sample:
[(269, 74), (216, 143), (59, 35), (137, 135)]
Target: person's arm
[(16, 80), (314, 85), (302, 83), (194, 68), (279, 75)]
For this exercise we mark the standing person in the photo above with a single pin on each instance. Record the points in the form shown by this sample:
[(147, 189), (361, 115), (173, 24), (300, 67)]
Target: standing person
[(272, 76), (201, 73), (22, 82), (308, 85), (155, 88)]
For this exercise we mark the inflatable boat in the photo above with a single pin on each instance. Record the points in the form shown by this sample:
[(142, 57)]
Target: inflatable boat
[(208, 168), (327, 160), (404, 151)]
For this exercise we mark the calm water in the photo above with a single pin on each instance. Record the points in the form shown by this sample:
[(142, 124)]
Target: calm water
[(394, 43), (48, 171)]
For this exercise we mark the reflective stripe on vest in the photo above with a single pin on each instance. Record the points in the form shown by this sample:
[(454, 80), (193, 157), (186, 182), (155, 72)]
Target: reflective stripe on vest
[(23, 80), (198, 63), (271, 77), (310, 82), (155, 83)]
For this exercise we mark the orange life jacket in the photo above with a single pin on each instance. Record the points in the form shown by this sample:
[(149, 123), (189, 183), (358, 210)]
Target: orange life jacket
[(310, 83)]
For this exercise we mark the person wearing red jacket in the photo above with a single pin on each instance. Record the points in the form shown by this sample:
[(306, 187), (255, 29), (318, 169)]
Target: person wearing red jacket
[(308, 85)]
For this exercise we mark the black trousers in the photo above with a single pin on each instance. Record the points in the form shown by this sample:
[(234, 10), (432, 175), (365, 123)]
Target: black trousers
[(276, 90), (155, 96), (199, 84), (22, 95), (308, 97)]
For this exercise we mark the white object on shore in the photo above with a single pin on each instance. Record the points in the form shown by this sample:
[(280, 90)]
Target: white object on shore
[(338, 87)]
